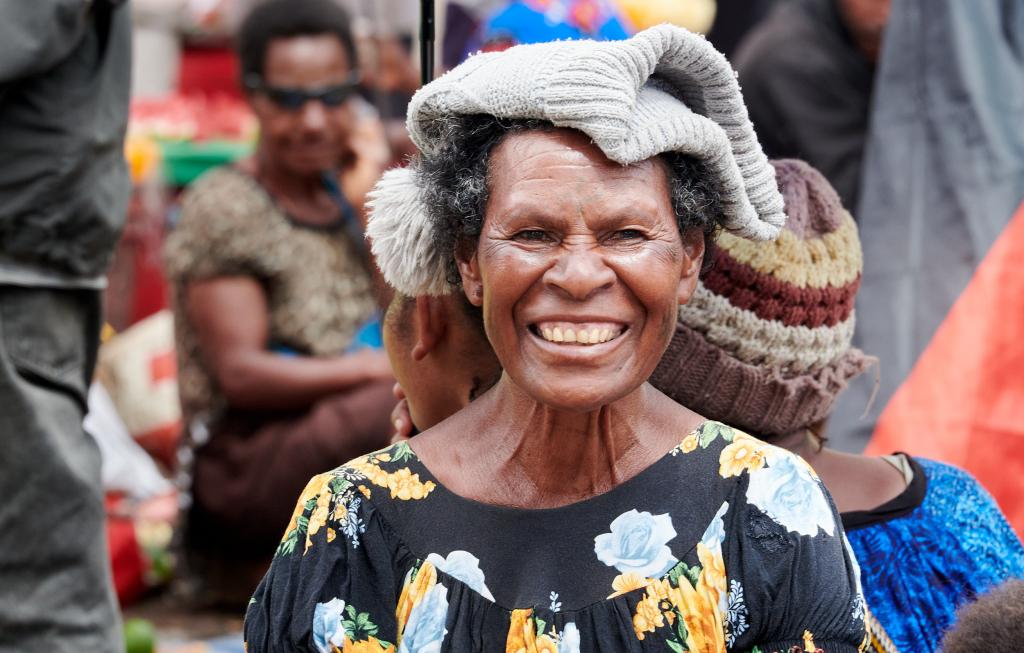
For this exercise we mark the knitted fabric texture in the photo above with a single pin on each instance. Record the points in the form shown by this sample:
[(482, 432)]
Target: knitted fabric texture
[(765, 342), (665, 89)]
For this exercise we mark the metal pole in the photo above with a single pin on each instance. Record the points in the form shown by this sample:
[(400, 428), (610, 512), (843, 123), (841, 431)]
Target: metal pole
[(426, 41)]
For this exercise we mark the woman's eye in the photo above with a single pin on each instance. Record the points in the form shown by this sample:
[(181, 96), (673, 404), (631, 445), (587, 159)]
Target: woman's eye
[(627, 235), (532, 235)]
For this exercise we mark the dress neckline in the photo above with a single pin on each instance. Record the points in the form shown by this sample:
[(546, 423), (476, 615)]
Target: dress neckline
[(558, 512)]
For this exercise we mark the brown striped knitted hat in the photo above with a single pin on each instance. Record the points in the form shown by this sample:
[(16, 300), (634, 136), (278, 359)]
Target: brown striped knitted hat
[(764, 343)]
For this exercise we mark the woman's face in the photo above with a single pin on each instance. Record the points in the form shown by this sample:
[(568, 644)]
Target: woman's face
[(580, 269), (313, 137)]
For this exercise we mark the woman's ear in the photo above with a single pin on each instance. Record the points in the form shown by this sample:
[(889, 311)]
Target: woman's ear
[(693, 260), (431, 325), (472, 283)]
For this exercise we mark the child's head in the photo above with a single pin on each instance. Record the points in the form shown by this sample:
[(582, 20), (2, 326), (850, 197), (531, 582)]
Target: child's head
[(994, 622)]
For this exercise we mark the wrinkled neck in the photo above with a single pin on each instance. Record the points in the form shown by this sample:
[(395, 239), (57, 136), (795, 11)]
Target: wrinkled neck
[(558, 451)]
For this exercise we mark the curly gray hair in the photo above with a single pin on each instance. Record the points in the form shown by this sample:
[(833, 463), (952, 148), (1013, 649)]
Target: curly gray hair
[(454, 183)]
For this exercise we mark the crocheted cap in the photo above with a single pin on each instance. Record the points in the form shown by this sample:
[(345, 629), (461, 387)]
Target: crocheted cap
[(665, 89), (765, 342)]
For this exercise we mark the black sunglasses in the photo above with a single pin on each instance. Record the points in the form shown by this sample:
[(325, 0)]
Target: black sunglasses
[(293, 99)]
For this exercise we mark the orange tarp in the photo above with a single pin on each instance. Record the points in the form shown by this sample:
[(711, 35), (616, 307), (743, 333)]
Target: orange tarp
[(963, 403)]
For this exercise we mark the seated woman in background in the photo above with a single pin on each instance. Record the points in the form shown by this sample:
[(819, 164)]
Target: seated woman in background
[(271, 286), (564, 509)]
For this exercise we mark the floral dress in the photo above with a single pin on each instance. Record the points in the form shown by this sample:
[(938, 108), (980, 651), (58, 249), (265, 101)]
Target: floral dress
[(724, 544)]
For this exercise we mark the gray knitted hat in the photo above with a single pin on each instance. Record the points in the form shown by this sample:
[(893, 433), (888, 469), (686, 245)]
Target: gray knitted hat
[(665, 89)]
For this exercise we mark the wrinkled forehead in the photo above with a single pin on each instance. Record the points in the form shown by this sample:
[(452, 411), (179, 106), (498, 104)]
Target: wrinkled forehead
[(556, 156)]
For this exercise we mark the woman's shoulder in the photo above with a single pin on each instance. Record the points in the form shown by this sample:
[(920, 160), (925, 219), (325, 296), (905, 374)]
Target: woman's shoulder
[(389, 474), (953, 491), (779, 484), (222, 196), (220, 182)]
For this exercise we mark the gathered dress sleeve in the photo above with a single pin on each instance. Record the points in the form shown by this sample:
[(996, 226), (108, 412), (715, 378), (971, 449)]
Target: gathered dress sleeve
[(332, 585), (798, 586), (224, 230)]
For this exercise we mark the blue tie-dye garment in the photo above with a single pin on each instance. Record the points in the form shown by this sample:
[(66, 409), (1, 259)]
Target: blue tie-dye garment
[(917, 569)]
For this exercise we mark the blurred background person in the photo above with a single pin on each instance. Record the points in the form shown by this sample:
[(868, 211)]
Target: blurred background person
[(941, 304), (441, 357), (64, 86), (806, 73), (995, 622), (770, 326), (272, 285)]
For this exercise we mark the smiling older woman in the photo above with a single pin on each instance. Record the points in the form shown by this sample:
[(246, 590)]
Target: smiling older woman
[(568, 189)]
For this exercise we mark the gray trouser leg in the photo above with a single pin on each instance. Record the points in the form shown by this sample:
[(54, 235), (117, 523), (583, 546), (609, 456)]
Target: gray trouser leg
[(56, 592)]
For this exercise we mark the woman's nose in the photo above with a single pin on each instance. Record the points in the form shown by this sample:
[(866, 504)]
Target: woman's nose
[(580, 271)]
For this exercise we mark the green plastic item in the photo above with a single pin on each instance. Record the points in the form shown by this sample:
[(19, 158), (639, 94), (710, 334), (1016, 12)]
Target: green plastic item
[(139, 636), (184, 161)]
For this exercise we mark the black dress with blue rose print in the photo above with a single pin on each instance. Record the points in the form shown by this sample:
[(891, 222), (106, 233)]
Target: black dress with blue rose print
[(724, 544)]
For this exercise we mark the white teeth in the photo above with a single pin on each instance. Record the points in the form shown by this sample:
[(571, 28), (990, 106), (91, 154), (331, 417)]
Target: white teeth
[(592, 336)]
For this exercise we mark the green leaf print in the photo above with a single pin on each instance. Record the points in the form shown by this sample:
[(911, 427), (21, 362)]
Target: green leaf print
[(358, 626), (676, 572), (682, 631), (339, 485), (287, 545), (676, 646), (401, 452), (541, 625), (711, 430), (683, 570)]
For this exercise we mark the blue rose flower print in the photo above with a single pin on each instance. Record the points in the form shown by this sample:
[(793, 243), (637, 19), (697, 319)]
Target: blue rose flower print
[(466, 567), (786, 492), (637, 544)]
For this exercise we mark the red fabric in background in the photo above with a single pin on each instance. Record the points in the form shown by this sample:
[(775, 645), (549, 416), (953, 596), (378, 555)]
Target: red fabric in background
[(126, 561), (963, 403), (209, 71)]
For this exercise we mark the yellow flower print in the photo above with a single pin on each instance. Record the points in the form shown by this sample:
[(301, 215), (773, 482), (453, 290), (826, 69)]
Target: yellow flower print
[(331, 534), (699, 607), (649, 615), (318, 517), (371, 645), (405, 485), (413, 592), (628, 582), (318, 485), (370, 470), (809, 642), (712, 579), (520, 632), (544, 644), (340, 511), (702, 618), (365, 491), (744, 453), (689, 443)]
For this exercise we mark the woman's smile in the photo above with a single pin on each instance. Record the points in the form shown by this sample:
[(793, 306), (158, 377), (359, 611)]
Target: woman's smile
[(577, 333)]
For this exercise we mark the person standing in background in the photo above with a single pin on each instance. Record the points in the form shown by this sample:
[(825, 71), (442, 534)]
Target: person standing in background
[(64, 85), (806, 73)]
